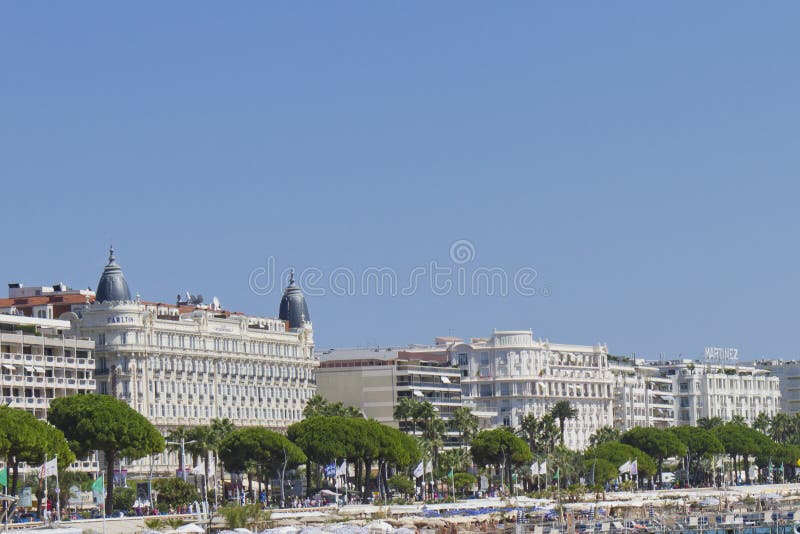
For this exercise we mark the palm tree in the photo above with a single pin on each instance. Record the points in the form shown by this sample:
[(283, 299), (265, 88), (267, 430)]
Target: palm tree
[(604, 434), (780, 428), (465, 423), (203, 438), (316, 405), (563, 410), (529, 431), (738, 419), (405, 409), (218, 431), (709, 423), (762, 423)]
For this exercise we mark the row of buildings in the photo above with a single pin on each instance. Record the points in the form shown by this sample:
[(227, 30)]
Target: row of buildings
[(185, 363), (511, 374)]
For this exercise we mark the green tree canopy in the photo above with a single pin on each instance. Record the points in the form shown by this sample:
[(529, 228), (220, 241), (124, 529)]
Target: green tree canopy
[(174, 492), (263, 449), (24, 438), (619, 453), (604, 435), (700, 443), (500, 447), (659, 444), (742, 441), (101, 422), (600, 469)]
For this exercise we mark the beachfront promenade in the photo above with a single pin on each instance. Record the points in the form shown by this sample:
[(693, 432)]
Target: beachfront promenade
[(621, 504)]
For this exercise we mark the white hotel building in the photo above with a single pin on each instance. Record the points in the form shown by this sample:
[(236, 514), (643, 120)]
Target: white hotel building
[(513, 374), (39, 363), (185, 364), (706, 390), (180, 364)]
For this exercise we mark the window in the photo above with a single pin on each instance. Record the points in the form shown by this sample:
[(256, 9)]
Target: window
[(463, 359), (684, 402), (684, 386), (505, 389), (486, 390), (484, 359)]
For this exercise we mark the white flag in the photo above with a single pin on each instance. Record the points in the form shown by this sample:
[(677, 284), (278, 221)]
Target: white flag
[(634, 470), (200, 469), (49, 469), (341, 471), (535, 468), (418, 471), (429, 467), (212, 466), (625, 468), (543, 468)]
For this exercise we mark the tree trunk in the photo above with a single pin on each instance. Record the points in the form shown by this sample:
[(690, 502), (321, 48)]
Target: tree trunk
[(250, 484), (205, 475), (367, 470), (308, 477), (746, 468), (111, 459)]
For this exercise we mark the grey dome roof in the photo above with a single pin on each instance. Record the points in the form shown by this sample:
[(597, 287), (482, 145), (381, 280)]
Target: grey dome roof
[(112, 284), (293, 306)]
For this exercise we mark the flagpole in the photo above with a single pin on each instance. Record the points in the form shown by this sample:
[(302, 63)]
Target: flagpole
[(105, 512), (58, 494), (44, 472), (336, 463)]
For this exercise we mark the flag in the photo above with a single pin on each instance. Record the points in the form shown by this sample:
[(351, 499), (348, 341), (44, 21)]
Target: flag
[(4, 477), (49, 469), (330, 470), (341, 471), (429, 467), (558, 473), (419, 470), (199, 469), (450, 474), (634, 467), (97, 485), (535, 468), (543, 468), (625, 468)]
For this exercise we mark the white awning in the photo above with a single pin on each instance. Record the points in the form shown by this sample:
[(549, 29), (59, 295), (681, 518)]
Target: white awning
[(418, 393), (39, 370), (9, 367), (445, 380), (29, 368)]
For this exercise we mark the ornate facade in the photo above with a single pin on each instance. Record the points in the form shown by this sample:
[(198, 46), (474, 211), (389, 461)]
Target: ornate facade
[(513, 375)]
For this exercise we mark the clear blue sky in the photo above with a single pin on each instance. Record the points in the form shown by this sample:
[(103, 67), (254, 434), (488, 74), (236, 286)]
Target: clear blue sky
[(641, 156)]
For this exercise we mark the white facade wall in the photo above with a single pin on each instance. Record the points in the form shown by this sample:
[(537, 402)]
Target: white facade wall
[(705, 390), (641, 396), (187, 369), (513, 375), (38, 364)]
